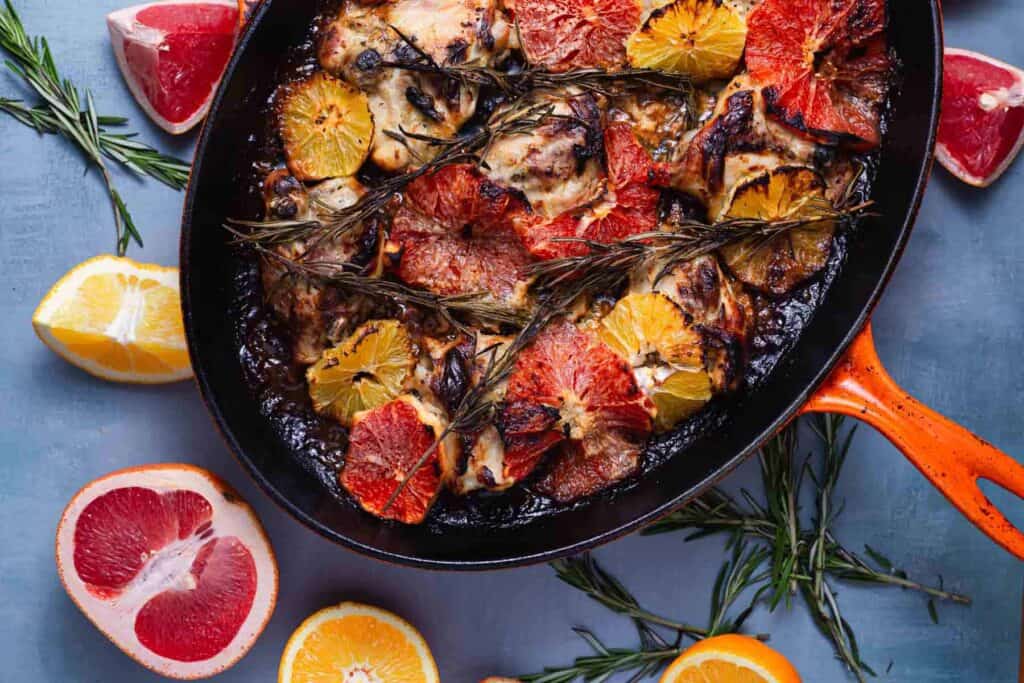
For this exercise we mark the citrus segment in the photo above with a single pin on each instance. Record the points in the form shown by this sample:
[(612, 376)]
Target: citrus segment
[(385, 446), (703, 39), (357, 643), (173, 54), (365, 371), (566, 34), (326, 127), (824, 65), (780, 263), (730, 659), (982, 126), (171, 565), (118, 320)]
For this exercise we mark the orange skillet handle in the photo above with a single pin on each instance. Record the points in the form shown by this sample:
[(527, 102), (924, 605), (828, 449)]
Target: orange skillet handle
[(951, 457)]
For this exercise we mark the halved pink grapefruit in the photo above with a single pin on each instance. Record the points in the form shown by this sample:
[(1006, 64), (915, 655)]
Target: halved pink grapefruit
[(982, 126), (173, 54), (171, 565)]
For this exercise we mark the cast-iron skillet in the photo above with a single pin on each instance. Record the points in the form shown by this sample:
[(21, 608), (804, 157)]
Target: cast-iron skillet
[(949, 455)]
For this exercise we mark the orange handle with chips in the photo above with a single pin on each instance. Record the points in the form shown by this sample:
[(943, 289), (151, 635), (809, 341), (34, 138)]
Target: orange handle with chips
[(951, 457)]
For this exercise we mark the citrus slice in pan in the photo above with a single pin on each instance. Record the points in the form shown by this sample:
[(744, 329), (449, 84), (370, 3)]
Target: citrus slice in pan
[(730, 659), (365, 371), (326, 127), (702, 39), (780, 263), (982, 126), (385, 447), (173, 54), (823, 65), (653, 334), (171, 565), (356, 643), (574, 34), (118, 320)]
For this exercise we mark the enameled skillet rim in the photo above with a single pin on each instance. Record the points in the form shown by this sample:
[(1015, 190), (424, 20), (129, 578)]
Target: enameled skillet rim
[(207, 390)]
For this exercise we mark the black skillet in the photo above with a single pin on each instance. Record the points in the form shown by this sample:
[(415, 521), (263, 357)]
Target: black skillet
[(817, 374)]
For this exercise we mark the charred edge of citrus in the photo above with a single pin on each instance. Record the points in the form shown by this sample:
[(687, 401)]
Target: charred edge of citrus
[(725, 134)]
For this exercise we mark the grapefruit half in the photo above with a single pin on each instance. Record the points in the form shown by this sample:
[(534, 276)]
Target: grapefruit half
[(171, 565), (982, 126), (173, 54)]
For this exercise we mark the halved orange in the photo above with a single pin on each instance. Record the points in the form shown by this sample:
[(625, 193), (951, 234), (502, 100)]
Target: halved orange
[(117, 319), (703, 39), (574, 34), (326, 126), (356, 642), (730, 659)]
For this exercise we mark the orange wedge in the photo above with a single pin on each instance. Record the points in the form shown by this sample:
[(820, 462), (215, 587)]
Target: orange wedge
[(730, 659), (118, 320), (354, 642)]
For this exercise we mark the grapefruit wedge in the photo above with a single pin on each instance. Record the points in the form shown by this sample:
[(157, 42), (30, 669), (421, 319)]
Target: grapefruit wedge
[(982, 126), (173, 54), (171, 565)]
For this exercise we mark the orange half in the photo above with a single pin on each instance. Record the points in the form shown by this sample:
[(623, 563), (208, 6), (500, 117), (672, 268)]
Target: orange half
[(730, 659)]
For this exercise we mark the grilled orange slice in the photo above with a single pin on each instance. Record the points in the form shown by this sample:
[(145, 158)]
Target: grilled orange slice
[(366, 370), (780, 263), (326, 127), (703, 39)]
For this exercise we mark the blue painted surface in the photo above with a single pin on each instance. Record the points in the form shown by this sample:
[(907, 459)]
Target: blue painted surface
[(949, 329)]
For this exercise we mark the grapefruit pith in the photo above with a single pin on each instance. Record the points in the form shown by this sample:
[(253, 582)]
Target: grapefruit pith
[(173, 54), (982, 126), (171, 565), (823, 64)]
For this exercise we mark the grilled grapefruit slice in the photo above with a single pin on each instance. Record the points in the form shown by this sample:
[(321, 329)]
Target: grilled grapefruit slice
[(452, 235), (171, 565), (384, 446), (569, 385), (573, 34), (824, 66)]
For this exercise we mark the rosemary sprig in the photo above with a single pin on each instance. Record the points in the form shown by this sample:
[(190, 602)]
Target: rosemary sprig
[(446, 307), (123, 148), (63, 111), (333, 223), (517, 83)]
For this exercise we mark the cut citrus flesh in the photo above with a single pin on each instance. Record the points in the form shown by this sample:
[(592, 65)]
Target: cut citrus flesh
[(981, 130), (355, 643), (326, 127), (703, 39), (653, 334), (569, 385), (118, 320), (171, 565), (173, 54), (452, 235), (574, 34), (730, 659), (385, 446), (629, 205), (780, 263), (824, 65), (366, 370)]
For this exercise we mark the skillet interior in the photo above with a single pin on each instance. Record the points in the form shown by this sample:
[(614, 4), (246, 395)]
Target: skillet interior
[(221, 173)]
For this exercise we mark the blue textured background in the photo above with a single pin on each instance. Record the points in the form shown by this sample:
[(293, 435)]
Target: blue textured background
[(949, 328)]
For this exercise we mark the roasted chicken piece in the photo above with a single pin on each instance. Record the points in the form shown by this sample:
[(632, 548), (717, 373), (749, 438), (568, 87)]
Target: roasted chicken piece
[(362, 41), (316, 315)]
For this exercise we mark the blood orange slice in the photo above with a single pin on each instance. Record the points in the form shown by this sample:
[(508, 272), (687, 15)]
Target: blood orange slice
[(568, 385), (173, 54), (824, 65), (384, 446), (629, 205), (452, 236), (171, 565), (566, 34), (982, 126)]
